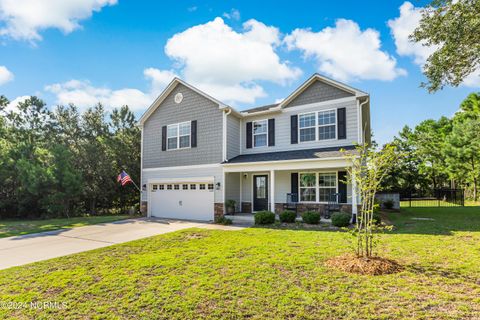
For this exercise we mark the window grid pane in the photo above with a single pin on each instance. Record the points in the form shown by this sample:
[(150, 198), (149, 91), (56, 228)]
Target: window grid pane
[(172, 143), (260, 126), (307, 120), (308, 194), (308, 180), (184, 129), (185, 142), (326, 117), (307, 134), (326, 194), (260, 140), (326, 132)]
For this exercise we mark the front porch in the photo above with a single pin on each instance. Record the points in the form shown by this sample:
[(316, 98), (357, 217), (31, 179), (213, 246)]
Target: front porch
[(310, 185), (240, 218)]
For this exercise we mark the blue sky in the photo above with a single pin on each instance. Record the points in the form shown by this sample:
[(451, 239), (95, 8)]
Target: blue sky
[(242, 52)]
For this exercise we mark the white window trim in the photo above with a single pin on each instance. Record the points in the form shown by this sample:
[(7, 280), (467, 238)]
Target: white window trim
[(254, 134), (177, 125), (317, 135), (317, 185)]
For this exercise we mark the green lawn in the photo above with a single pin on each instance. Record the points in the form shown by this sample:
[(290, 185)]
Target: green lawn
[(10, 228), (262, 273)]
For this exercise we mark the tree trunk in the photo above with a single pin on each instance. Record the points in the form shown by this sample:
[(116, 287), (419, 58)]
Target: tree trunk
[(93, 204)]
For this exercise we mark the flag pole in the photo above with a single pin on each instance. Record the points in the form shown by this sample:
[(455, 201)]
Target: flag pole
[(136, 186)]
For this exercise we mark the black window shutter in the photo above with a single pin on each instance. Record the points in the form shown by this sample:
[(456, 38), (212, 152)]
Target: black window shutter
[(342, 186), (164, 138), (193, 132), (271, 132), (294, 184), (294, 129), (342, 123), (249, 135)]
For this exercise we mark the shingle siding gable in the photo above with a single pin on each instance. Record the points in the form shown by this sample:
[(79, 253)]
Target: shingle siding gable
[(209, 131), (318, 92)]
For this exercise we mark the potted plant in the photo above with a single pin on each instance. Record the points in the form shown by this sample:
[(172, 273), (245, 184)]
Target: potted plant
[(230, 205)]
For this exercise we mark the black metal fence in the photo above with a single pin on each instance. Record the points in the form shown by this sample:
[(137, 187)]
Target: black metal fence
[(435, 198)]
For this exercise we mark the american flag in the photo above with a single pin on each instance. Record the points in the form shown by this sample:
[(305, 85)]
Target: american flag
[(124, 178)]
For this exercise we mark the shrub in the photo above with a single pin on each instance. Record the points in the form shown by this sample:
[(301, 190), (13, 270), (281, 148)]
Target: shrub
[(377, 218), (288, 216), (388, 204), (224, 221), (264, 217), (341, 219), (311, 217)]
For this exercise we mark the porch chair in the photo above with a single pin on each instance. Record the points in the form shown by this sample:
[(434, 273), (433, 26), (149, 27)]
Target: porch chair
[(291, 203), (332, 205)]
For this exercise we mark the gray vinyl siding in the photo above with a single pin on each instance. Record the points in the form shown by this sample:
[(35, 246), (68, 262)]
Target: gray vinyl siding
[(318, 92), (232, 187), (209, 131), (233, 136), (187, 173), (282, 128)]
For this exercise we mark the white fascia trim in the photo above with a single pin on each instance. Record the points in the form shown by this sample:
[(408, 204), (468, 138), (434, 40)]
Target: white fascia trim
[(271, 110), (141, 162), (329, 103), (197, 166), (181, 180)]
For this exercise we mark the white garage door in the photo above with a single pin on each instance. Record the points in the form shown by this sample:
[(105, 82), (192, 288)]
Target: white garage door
[(182, 200)]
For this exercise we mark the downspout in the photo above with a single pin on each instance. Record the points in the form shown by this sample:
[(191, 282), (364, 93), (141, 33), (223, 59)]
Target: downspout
[(224, 144), (362, 130)]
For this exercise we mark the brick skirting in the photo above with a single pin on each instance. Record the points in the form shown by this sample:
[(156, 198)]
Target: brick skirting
[(144, 207), (302, 207), (218, 211), (246, 207)]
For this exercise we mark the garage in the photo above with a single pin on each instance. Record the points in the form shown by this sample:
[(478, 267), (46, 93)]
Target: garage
[(190, 200)]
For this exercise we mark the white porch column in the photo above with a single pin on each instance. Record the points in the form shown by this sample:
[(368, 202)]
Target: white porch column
[(272, 191), (354, 201)]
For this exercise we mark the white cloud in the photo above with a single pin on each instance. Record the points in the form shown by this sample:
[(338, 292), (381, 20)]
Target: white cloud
[(401, 28), (192, 9), (5, 75), (83, 94), (472, 80), (12, 106), (234, 14), (345, 52), (24, 19), (228, 64)]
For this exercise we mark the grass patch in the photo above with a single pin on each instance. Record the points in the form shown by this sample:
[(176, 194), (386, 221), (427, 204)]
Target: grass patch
[(10, 228), (261, 273)]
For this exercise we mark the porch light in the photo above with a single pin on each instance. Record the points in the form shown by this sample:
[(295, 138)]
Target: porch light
[(217, 186)]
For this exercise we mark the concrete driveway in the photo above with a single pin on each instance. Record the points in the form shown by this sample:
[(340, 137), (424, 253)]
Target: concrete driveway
[(19, 250)]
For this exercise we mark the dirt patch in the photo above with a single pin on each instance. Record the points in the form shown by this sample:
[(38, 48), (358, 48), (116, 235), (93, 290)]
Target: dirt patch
[(362, 265)]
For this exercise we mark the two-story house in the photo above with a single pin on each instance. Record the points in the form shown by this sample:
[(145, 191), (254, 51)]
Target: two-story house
[(198, 152)]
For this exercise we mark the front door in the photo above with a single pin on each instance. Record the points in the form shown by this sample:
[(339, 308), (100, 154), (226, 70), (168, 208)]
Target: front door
[(260, 193)]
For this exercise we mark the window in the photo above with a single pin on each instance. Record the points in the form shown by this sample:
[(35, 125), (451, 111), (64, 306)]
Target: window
[(260, 132), (307, 126), (185, 186), (169, 187), (154, 187), (327, 184), (327, 125), (210, 186), (308, 187), (323, 121), (178, 135), (323, 184), (176, 186), (161, 187), (193, 186), (202, 187)]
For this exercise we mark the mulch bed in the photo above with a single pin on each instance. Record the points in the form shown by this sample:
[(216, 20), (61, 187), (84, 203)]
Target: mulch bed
[(363, 265)]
